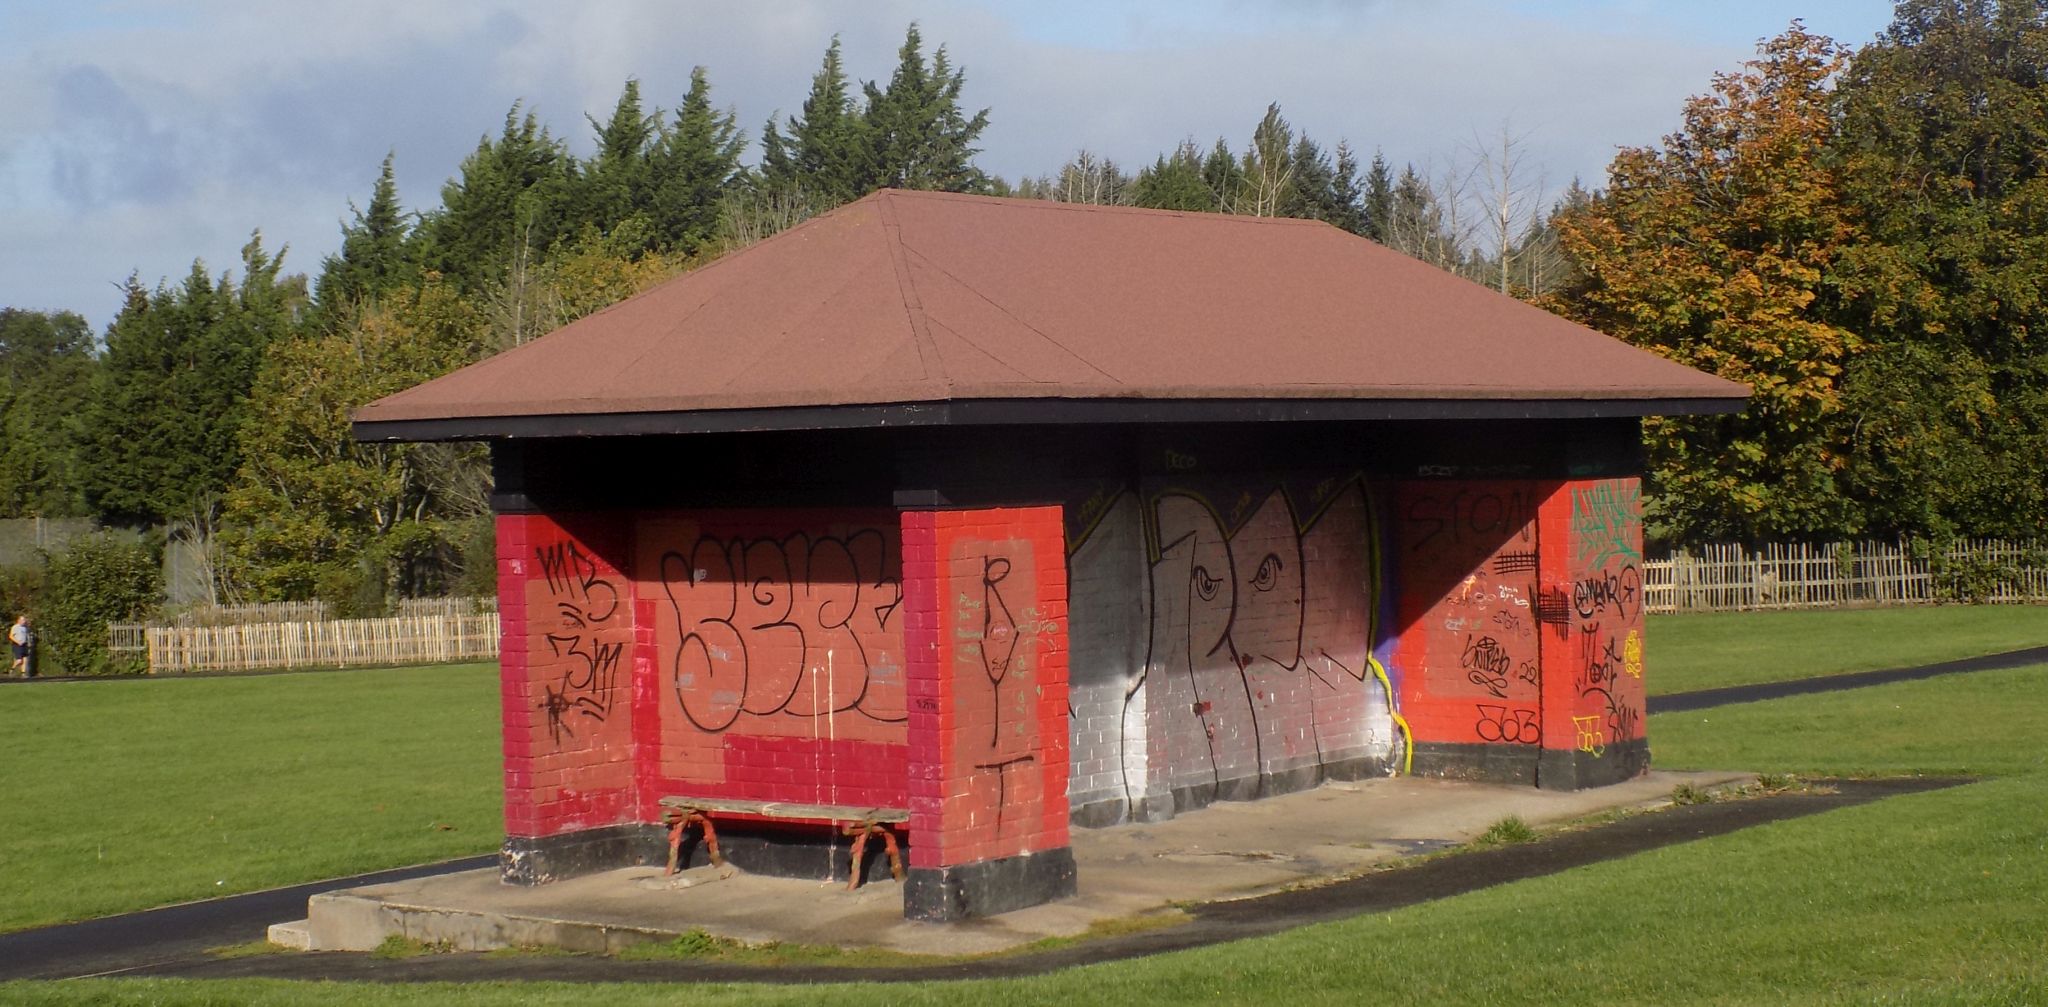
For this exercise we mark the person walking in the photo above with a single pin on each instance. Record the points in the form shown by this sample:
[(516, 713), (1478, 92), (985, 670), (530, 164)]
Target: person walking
[(23, 640)]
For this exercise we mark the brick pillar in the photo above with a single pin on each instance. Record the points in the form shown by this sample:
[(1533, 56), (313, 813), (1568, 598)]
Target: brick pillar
[(566, 661), (985, 635), (1592, 606)]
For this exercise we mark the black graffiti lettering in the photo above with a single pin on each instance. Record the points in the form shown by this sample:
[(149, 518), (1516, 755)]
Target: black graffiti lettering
[(1514, 562), (1486, 664), (1498, 724), (585, 601), (1619, 591), (759, 619)]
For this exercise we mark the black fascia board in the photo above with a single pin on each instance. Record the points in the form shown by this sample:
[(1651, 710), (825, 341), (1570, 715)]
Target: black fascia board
[(1025, 412)]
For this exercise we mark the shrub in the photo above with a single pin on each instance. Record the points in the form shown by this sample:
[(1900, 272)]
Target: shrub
[(95, 581)]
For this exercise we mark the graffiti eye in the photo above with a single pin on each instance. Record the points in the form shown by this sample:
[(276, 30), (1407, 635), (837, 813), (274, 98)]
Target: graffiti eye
[(1205, 585), (1268, 576)]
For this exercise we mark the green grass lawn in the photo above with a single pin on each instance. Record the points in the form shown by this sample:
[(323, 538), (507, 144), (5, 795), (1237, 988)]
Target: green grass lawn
[(121, 795), (1928, 898), (1709, 650)]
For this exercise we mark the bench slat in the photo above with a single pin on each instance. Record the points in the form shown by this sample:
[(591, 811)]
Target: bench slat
[(784, 809)]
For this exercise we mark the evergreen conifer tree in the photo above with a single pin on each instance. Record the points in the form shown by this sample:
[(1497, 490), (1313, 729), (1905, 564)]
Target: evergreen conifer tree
[(918, 135), (826, 152), (695, 164), (375, 256)]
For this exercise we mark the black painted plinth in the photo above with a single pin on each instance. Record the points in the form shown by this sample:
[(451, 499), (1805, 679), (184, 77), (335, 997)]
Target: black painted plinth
[(537, 860), (944, 894), (1480, 763), (1576, 770)]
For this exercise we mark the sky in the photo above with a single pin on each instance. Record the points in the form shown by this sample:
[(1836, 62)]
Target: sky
[(139, 135)]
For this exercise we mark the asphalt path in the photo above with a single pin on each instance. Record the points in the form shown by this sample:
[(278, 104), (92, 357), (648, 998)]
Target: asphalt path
[(1681, 701), (114, 944)]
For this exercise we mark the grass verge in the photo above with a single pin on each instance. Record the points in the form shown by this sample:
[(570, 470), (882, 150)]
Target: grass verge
[(130, 794), (1712, 650)]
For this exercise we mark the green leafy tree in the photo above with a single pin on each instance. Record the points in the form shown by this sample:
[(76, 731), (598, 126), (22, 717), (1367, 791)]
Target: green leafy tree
[(46, 369), (1722, 249), (158, 438), (96, 580), (1942, 144), (312, 512)]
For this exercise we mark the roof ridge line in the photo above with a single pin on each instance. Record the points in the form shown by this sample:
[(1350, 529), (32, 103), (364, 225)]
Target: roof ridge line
[(913, 307), (1022, 203)]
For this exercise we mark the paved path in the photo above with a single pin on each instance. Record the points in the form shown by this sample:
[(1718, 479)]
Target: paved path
[(1680, 701)]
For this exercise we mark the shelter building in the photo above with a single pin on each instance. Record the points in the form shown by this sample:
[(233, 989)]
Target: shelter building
[(1024, 516)]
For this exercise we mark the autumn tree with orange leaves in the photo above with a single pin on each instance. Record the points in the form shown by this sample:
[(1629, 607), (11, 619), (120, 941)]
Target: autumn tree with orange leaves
[(1721, 249)]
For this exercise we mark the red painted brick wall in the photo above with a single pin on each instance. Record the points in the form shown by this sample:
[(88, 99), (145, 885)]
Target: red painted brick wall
[(567, 657), (1592, 593), (775, 666), (1465, 556), (986, 610)]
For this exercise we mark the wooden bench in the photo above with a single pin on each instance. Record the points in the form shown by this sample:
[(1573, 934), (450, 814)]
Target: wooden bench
[(679, 813)]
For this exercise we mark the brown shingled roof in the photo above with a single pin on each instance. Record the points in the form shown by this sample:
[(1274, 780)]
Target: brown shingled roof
[(930, 307)]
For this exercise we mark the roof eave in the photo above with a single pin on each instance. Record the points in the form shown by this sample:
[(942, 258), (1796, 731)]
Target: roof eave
[(1027, 412)]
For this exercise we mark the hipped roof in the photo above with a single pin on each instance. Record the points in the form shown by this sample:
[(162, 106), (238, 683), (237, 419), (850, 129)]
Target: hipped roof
[(912, 307)]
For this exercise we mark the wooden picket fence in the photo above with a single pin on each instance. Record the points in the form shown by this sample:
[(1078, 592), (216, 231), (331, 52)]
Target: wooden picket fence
[(1723, 578), (415, 639)]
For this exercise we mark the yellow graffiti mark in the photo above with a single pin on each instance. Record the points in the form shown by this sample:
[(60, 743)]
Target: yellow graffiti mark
[(1632, 654), (1407, 735), (1592, 737)]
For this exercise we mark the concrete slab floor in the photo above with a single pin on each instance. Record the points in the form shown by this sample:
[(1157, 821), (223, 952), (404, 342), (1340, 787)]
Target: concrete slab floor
[(1229, 850)]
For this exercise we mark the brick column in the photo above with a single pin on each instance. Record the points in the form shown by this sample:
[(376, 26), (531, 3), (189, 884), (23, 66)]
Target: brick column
[(566, 661), (1592, 611), (985, 635)]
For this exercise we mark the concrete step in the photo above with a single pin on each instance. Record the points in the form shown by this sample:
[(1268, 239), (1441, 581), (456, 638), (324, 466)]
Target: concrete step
[(296, 935)]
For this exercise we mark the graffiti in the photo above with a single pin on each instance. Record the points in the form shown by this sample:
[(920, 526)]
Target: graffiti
[(1554, 609), (1632, 655), (1618, 591), (1623, 721), (1600, 657), (1469, 551), (1486, 664), (796, 626), (585, 604), (1591, 739), (1177, 462), (1002, 770), (1604, 520), (1510, 622), (1258, 655), (1490, 516), (1498, 724), (994, 640)]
